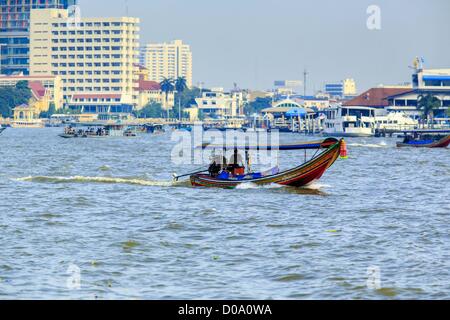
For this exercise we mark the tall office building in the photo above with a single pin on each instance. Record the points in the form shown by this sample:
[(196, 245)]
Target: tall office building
[(15, 31), (97, 59), (345, 88), (168, 60)]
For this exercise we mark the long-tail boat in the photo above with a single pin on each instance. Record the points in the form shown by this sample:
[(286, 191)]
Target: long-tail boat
[(328, 151), (425, 139), (2, 129)]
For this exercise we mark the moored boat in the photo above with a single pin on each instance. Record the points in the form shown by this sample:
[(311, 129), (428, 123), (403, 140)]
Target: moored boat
[(349, 122), (28, 124), (425, 139), (300, 176)]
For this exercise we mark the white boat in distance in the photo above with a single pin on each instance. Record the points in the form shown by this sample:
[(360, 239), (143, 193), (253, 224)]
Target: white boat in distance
[(349, 122), (395, 121)]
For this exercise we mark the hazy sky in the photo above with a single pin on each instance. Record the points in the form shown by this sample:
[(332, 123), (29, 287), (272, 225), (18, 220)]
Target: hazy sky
[(254, 42)]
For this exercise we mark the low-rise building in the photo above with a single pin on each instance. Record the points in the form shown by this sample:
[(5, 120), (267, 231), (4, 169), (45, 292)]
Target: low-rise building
[(52, 85), (312, 102), (435, 82), (107, 106), (27, 115), (219, 104), (377, 97), (150, 91)]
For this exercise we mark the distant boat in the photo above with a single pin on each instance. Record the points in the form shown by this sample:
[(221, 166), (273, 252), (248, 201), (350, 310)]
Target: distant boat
[(28, 124), (153, 128), (395, 121), (98, 131), (425, 139), (349, 122)]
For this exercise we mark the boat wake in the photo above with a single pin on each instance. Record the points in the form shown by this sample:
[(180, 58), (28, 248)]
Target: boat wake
[(153, 183), (249, 186), (368, 145), (103, 180), (317, 186)]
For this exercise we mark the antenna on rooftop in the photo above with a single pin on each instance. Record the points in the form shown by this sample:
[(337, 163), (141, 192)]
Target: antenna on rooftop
[(305, 78), (126, 8)]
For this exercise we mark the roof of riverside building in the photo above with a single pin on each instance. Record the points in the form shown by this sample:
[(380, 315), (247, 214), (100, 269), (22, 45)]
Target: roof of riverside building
[(376, 97), (37, 89), (145, 85)]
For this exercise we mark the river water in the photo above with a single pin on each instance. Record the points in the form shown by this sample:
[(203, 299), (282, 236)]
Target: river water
[(101, 219)]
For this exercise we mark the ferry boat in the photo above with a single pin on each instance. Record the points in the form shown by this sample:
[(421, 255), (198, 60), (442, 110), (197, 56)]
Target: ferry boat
[(98, 131), (425, 139), (349, 121), (29, 124)]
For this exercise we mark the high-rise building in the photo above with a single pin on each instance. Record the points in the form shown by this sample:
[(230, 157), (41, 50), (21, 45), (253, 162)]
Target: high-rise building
[(97, 58), (349, 88), (334, 89), (345, 88), (168, 60), (15, 31)]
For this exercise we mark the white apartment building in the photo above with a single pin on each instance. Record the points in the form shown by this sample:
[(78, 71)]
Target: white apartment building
[(218, 104), (94, 57), (168, 60)]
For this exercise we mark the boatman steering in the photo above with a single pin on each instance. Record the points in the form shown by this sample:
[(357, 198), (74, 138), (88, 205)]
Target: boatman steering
[(219, 163)]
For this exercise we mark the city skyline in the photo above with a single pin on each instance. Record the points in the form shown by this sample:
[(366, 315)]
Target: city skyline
[(331, 40)]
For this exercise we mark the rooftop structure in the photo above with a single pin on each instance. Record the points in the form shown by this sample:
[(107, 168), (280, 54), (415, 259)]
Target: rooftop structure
[(375, 97)]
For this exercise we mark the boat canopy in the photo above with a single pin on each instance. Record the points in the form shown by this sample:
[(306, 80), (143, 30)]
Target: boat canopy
[(308, 145), (296, 112)]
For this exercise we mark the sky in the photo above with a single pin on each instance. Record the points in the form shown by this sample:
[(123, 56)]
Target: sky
[(255, 42)]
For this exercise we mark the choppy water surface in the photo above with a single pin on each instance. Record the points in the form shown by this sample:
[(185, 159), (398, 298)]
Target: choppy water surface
[(109, 208)]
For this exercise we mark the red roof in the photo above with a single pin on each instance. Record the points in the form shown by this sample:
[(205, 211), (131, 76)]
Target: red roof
[(37, 89), (148, 86), (376, 97), (97, 96)]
